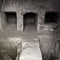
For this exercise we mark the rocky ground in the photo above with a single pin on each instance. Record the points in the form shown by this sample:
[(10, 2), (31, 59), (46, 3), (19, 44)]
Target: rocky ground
[(10, 39)]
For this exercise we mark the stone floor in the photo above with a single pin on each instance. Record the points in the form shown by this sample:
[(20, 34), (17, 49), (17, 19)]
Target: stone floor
[(26, 36)]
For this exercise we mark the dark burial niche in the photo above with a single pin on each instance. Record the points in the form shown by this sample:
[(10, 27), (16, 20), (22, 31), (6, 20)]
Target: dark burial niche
[(11, 17), (11, 21), (30, 20), (51, 17)]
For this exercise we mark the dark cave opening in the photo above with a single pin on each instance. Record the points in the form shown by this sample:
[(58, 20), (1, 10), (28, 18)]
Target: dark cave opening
[(51, 17), (11, 20), (30, 21)]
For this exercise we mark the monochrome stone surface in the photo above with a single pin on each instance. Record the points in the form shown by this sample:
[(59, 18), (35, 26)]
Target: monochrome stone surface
[(30, 51)]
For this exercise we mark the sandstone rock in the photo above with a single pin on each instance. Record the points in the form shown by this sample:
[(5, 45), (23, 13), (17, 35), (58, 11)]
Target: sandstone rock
[(30, 51), (5, 56)]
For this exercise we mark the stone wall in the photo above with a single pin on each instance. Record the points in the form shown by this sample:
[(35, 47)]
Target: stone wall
[(47, 45), (10, 46), (23, 6), (37, 6)]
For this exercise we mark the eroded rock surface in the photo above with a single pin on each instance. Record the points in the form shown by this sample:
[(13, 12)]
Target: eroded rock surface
[(30, 51)]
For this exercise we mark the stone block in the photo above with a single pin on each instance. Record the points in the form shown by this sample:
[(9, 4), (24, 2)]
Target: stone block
[(30, 51)]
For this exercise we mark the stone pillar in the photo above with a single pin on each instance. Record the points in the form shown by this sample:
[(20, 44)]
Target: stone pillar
[(39, 23), (0, 22), (3, 20), (19, 22)]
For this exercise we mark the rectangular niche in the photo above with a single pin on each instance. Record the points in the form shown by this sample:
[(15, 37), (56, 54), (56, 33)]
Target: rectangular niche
[(51, 21), (30, 21), (10, 21), (51, 17)]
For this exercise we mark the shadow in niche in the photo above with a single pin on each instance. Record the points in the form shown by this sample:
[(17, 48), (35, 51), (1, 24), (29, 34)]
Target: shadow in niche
[(30, 21), (51, 17), (51, 21), (11, 21)]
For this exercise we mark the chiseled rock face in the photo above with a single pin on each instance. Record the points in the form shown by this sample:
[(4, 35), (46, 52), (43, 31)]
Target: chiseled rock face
[(5, 56), (10, 46), (46, 42), (30, 51)]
